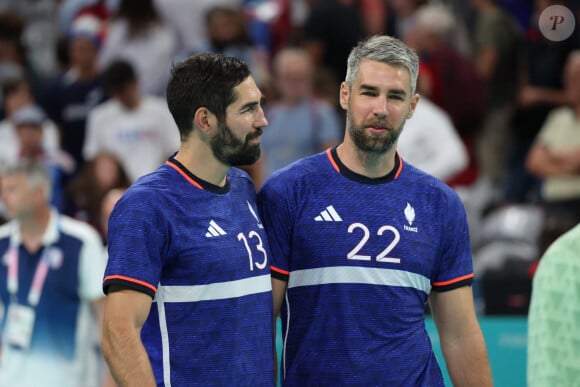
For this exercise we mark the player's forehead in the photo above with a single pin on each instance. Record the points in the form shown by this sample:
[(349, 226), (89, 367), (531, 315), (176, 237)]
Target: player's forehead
[(247, 91), (382, 75)]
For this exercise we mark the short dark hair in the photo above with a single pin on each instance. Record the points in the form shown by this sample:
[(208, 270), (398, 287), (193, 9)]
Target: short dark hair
[(117, 75), (203, 80)]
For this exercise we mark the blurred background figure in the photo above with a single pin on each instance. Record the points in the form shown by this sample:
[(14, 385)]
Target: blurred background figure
[(226, 32), (137, 128), (430, 142), (555, 158), (540, 91), (445, 69), (300, 124), (553, 325), (29, 123), (186, 18), (15, 55), (18, 94), (497, 43), (331, 29), (49, 325), (405, 14), (85, 194), (68, 98), (107, 204), (138, 34)]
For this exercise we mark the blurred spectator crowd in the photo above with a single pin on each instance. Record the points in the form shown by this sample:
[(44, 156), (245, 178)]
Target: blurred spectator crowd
[(83, 82)]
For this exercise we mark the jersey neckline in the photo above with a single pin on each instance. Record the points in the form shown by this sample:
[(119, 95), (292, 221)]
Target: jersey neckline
[(337, 164), (196, 181)]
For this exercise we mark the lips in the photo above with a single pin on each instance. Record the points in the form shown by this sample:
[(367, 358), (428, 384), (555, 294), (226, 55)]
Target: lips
[(255, 135), (378, 126)]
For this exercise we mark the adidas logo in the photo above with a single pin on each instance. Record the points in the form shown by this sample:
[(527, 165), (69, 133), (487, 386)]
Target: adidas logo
[(328, 215), (214, 230)]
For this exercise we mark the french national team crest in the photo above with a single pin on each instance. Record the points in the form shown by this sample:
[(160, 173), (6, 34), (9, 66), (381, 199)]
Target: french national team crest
[(410, 216)]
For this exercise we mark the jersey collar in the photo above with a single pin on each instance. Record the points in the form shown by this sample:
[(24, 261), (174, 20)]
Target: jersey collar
[(196, 181), (343, 170)]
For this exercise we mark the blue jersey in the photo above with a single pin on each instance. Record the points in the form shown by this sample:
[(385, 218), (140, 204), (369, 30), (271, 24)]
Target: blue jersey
[(200, 251), (361, 256)]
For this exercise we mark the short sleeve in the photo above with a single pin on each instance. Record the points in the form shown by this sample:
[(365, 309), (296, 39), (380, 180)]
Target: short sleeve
[(137, 242), (551, 124), (277, 213), (455, 267)]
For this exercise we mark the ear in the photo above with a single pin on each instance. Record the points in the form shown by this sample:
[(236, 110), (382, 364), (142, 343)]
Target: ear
[(204, 119), (414, 102), (343, 95)]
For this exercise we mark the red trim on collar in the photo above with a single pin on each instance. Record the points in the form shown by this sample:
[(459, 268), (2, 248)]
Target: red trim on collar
[(334, 164), (182, 173)]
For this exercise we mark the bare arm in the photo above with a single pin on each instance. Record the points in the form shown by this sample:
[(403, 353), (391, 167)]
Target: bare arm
[(531, 95), (278, 292), (461, 338), (125, 313), (543, 163)]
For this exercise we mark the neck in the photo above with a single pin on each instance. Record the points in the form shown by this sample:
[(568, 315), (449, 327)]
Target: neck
[(131, 104), (371, 165), (199, 159), (86, 72), (32, 228)]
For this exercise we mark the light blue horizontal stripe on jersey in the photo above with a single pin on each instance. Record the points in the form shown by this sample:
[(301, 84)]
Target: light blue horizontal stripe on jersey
[(358, 275), (215, 291)]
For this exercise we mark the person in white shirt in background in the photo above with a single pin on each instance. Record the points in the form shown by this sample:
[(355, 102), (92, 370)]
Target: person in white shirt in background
[(430, 142), (138, 129), (138, 33)]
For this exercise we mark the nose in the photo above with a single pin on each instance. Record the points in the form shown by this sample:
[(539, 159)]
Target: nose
[(381, 107), (261, 119)]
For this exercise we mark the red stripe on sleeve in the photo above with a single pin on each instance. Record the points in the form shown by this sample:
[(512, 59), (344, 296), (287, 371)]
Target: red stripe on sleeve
[(452, 281), (129, 279), (279, 270)]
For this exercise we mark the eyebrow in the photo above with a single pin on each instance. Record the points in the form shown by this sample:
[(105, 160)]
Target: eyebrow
[(253, 103), (398, 92)]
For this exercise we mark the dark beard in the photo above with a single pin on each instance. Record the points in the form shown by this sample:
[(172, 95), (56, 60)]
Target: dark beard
[(232, 151), (373, 144)]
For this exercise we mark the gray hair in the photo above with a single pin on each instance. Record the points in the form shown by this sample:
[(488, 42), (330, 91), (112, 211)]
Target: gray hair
[(36, 174), (385, 49)]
